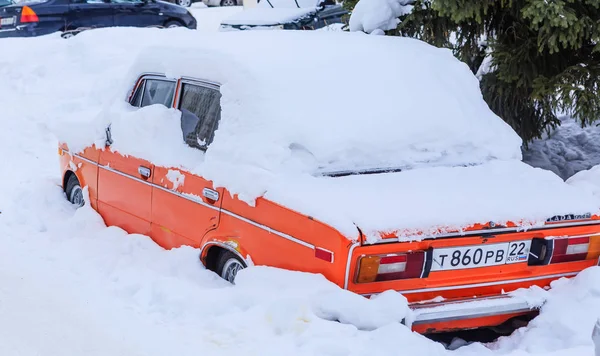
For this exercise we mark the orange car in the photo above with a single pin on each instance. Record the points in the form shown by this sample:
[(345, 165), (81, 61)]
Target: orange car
[(455, 279)]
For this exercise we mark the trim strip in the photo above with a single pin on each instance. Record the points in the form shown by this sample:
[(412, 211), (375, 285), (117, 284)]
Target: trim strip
[(465, 286), (199, 201)]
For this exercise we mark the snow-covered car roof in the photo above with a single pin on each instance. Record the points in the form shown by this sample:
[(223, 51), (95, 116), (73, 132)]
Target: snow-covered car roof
[(353, 101), (297, 105)]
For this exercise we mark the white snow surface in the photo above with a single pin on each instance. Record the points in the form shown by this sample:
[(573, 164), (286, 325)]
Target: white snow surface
[(278, 128), (72, 286), (375, 16)]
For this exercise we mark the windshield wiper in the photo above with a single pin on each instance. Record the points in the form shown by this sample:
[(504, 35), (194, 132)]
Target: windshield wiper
[(361, 172)]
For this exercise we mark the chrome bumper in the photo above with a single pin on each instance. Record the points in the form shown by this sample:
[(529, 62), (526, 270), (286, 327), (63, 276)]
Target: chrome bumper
[(429, 313)]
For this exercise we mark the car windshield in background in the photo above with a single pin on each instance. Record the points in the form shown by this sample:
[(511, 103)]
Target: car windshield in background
[(5, 2)]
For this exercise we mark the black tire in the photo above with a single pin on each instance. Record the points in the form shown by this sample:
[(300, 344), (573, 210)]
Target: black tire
[(229, 3), (74, 191), (184, 3), (173, 24), (228, 265)]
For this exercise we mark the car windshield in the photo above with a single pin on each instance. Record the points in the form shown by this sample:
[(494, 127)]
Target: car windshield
[(5, 2)]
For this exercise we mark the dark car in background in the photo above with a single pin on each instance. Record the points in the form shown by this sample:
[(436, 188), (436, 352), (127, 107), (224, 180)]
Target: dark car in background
[(287, 15), (40, 17)]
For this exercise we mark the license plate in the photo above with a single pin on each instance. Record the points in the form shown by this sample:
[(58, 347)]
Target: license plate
[(445, 259), (9, 21)]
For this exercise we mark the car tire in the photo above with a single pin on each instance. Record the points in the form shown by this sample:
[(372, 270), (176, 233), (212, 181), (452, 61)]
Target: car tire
[(74, 191), (228, 265), (184, 3), (228, 3), (173, 24)]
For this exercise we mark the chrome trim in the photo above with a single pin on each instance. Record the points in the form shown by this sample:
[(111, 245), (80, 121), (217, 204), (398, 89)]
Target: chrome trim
[(123, 174), (187, 197), (199, 201), (349, 262), (468, 309), (264, 227), (485, 284), (491, 231)]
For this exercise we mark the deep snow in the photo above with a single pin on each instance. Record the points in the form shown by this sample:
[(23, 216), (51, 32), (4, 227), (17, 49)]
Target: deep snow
[(71, 286)]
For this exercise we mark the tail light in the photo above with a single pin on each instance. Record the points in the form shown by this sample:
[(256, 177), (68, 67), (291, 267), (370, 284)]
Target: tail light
[(570, 249), (379, 268), (564, 249), (28, 15)]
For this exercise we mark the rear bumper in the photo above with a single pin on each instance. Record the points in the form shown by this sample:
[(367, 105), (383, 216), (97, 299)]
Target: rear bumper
[(29, 30), (467, 313)]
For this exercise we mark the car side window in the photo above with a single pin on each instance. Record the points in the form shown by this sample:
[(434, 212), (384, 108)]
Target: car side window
[(201, 111), (154, 91)]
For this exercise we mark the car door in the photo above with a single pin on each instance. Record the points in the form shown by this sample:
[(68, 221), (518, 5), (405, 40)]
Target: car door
[(125, 182), (187, 206), (90, 13), (137, 13)]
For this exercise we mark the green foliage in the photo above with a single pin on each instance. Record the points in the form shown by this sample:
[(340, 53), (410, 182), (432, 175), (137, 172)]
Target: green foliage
[(545, 54)]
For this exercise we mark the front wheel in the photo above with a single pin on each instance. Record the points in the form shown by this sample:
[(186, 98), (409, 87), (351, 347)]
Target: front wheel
[(173, 24), (184, 3), (228, 2), (74, 191), (229, 265)]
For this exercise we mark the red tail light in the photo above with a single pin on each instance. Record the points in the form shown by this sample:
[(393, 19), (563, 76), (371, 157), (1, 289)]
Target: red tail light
[(390, 267), (28, 15), (570, 249)]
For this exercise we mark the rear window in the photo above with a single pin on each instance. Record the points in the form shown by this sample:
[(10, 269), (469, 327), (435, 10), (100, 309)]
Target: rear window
[(201, 112)]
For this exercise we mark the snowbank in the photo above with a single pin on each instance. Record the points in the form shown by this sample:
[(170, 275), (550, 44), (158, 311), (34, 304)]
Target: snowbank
[(588, 180), (375, 16)]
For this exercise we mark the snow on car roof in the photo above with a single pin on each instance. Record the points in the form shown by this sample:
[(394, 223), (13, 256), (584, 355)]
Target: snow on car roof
[(296, 104)]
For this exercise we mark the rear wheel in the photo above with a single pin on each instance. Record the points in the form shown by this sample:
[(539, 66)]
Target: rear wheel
[(228, 2), (74, 191), (228, 265)]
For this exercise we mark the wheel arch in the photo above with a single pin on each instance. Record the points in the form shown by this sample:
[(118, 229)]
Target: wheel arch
[(210, 252)]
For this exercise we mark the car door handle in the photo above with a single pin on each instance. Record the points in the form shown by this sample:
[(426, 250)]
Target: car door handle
[(210, 194), (144, 171)]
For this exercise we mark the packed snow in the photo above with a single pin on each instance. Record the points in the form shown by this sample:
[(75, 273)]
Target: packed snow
[(72, 286), (376, 16)]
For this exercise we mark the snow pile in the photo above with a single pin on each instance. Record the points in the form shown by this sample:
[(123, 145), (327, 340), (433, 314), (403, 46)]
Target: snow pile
[(435, 200), (279, 130), (567, 150), (376, 16), (588, 180)]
